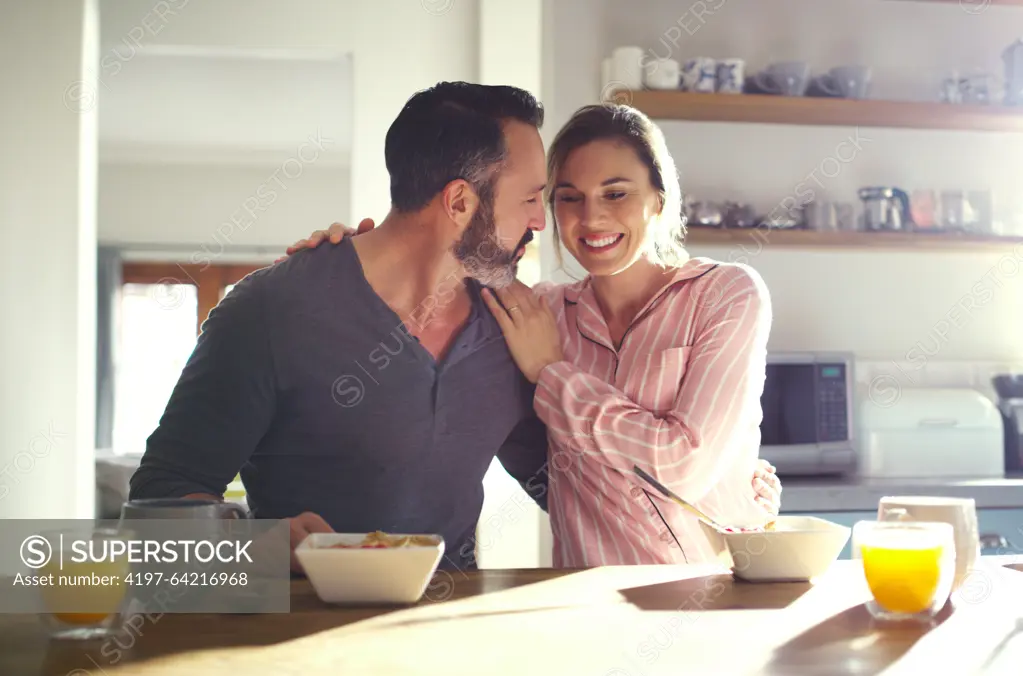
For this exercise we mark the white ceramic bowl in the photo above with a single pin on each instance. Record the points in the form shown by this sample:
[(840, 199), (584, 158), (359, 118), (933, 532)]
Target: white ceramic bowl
[(369, 576), (799, 549)]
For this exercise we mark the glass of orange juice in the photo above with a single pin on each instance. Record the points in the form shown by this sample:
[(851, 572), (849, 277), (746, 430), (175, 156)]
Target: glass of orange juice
[(909, 567), (87, 588)]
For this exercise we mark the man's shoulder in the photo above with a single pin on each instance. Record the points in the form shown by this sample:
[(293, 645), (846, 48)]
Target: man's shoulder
[(298, 283), (328, 266)]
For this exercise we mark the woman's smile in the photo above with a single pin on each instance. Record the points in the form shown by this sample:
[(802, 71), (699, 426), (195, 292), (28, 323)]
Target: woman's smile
[(601, 242)]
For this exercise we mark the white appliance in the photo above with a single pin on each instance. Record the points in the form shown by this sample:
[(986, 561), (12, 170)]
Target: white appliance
[(931, 433)]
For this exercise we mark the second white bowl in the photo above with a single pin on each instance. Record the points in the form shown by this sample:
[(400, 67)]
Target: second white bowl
[(797, 550), (367, 576)]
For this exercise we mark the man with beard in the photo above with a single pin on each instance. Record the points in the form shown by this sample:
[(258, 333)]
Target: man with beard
[(366, 386)]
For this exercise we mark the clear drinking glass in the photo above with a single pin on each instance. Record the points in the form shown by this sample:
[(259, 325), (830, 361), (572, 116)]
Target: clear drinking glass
[(909, 567), (87, 596)]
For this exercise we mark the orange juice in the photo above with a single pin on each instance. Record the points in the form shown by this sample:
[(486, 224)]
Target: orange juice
[(908, 567), (81, 618), (903, 579), (91, 603)]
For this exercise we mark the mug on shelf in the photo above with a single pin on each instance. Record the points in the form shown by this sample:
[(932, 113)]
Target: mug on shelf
[(730, 75), (627, 67), (848, 82), (699, 74), (662, 74), (788, 78)]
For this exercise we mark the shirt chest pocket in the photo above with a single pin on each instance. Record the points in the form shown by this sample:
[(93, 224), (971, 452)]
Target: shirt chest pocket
[(656, 379)]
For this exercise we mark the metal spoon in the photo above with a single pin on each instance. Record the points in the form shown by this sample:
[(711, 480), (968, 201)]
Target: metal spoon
[(663, 490)]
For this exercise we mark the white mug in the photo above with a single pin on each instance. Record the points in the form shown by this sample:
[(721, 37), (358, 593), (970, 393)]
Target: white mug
[(627, 67), (662, 74), (730, 76), (961, 513), (699, 74)]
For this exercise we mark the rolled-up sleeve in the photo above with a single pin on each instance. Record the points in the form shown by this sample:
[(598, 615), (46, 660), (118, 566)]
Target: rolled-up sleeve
[(221, 406)]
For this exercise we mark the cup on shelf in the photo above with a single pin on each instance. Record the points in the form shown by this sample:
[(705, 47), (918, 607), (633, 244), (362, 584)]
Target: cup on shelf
[(923, 206), (845, 216), (952, 89), (822, 216), (909, 567), (1012, 62), (662, 74), (847, 82), (699, 74), (956, 212), (983, 207), (627, 67), (788, 78), (978, 88), (730, 76), (826, 216)]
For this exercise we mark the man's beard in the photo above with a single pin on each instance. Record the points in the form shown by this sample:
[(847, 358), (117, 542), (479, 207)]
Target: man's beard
[(480, 251)]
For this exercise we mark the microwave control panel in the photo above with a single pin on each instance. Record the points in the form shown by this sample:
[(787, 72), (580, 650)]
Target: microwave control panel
[(832, 403)]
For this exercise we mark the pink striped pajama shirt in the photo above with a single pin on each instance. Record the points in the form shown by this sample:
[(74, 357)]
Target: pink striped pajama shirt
[(681, 399)]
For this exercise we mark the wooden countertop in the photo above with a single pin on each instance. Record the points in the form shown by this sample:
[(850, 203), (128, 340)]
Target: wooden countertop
[(608, 621)]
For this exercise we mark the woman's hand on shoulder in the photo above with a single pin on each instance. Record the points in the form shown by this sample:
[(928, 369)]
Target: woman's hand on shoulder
[(529, 326), (333, 234)]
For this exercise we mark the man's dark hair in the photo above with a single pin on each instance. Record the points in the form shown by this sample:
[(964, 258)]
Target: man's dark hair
[(450, 131)]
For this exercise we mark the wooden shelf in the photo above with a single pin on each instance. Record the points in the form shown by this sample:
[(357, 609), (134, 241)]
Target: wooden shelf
[(805, 110), (951, 242)]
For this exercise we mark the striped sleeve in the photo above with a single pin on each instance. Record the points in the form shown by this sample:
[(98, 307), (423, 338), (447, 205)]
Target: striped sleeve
[(718, 403)]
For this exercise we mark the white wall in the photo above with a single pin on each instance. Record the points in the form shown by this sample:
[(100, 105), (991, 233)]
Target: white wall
[(399, 48), (225, 106), (47, 189), (207, 209), (513, 532), (395, 48), (878, 304), (323, 25), (224, 126)]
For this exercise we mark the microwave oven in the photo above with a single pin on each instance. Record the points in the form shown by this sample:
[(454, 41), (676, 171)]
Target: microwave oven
[(808, 407)]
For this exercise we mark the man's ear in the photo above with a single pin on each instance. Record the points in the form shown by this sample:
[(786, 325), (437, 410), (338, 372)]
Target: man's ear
[(460, 202)]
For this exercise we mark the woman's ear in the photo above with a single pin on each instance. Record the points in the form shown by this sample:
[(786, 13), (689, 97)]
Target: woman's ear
[(659, 206)]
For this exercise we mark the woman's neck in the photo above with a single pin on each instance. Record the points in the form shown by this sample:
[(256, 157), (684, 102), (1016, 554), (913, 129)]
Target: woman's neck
[(621, 297)]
